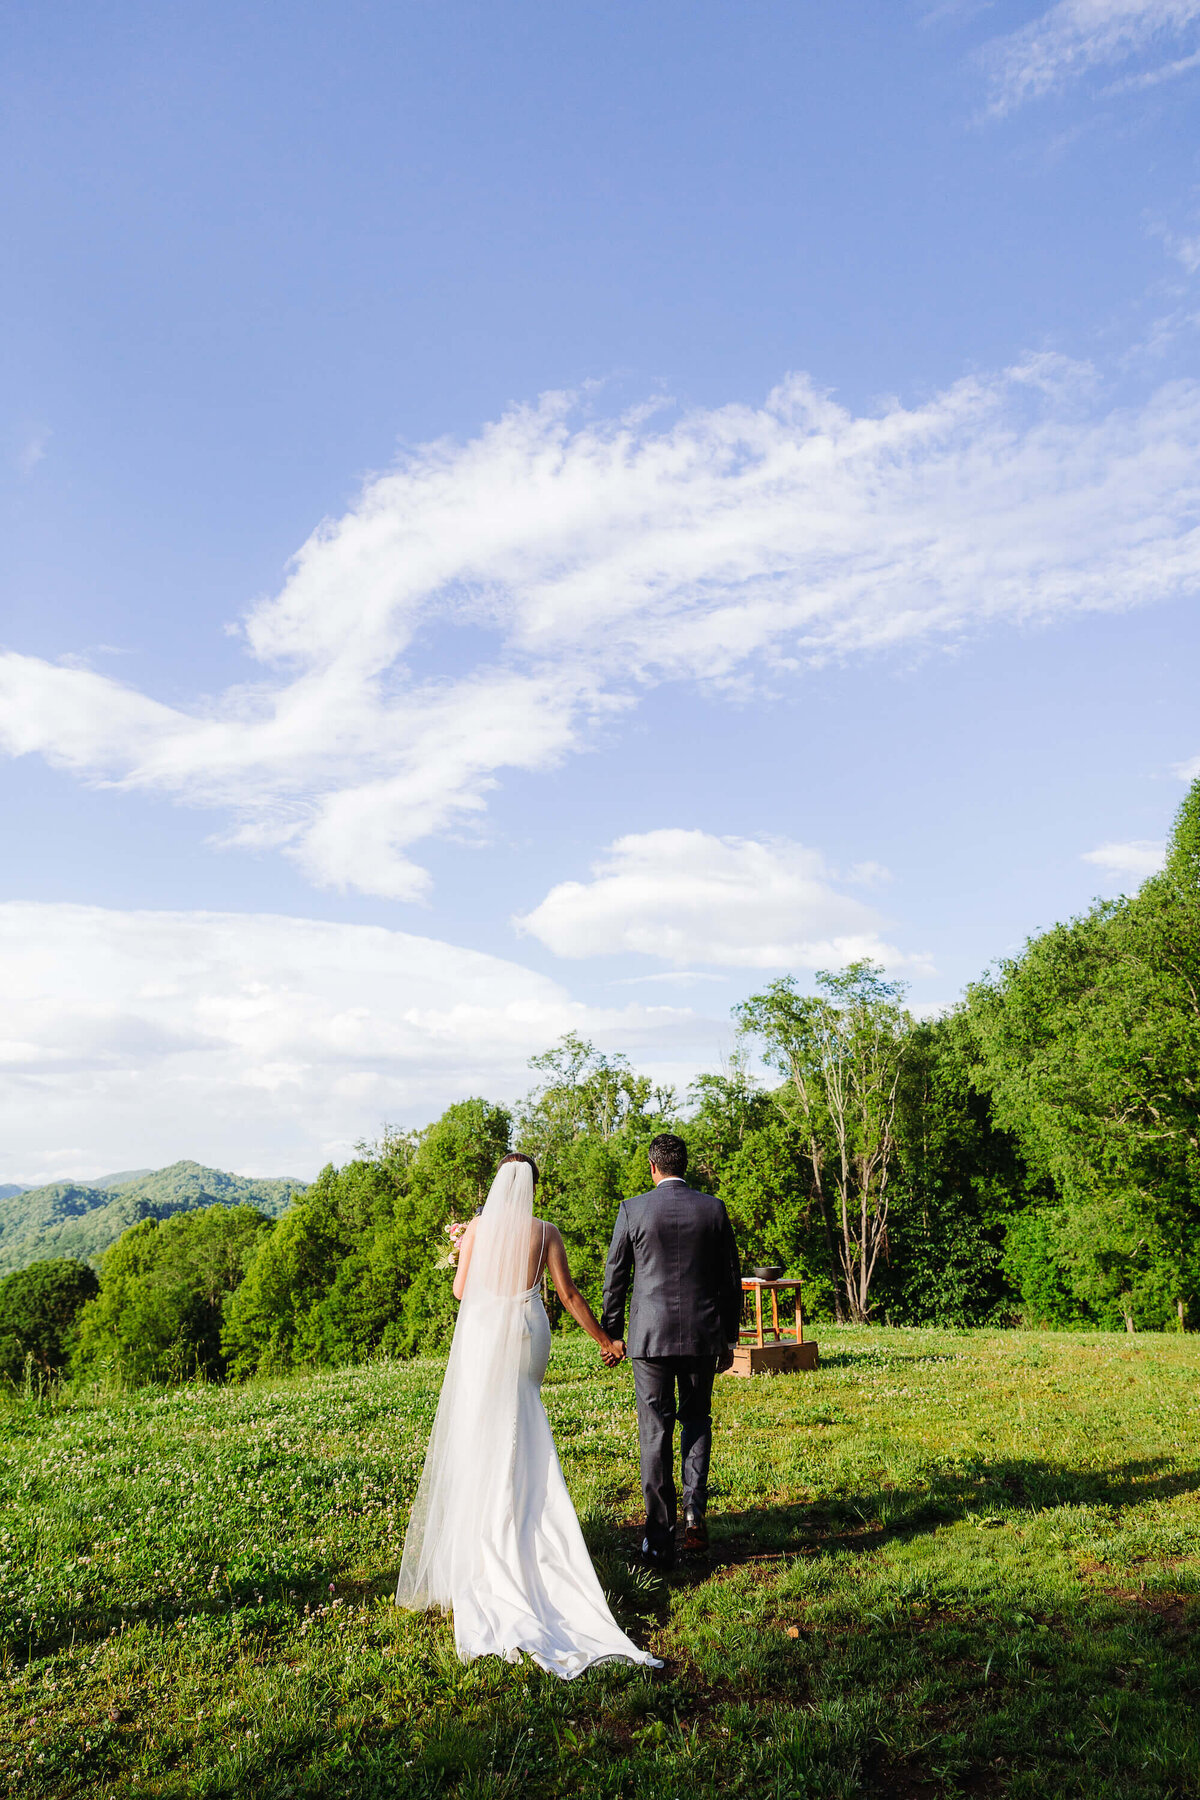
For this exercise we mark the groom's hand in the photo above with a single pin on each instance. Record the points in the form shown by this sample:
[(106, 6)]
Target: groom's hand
[(725, 1360), (613, 1353)]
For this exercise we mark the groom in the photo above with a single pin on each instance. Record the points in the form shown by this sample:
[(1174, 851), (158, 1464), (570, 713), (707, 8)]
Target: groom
[(677, 1245)]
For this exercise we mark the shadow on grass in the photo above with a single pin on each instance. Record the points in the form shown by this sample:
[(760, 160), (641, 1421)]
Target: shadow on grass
[(868, 1519), (899, 1702), (858, 1521), (1101, 1704), (262, 1608)]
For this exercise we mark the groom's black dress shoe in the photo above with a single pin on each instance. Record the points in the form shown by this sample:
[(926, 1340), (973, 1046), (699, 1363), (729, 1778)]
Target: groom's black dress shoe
[(695, 1534), (651, 1557)]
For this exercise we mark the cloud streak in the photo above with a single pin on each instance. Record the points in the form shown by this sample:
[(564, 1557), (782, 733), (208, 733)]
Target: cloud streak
[(1076, 36), (485, 605)]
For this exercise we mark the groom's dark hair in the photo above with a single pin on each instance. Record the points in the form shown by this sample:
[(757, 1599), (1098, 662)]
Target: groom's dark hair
[(668, 1153), (515, 1156)]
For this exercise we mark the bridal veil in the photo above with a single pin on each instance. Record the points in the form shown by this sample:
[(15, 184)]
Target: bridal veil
[(469, 1463)]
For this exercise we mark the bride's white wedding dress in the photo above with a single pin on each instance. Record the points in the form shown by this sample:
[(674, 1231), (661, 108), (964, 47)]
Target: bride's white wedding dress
[(493, 1536)]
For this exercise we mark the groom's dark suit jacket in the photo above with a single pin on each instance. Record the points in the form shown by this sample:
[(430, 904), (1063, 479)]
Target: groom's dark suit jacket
[(677, 1245)]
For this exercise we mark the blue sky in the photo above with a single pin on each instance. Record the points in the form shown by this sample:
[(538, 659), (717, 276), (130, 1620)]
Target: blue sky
[(534, 518)]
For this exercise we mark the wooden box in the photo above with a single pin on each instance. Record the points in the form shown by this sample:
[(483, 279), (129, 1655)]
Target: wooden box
[(773, 1359)]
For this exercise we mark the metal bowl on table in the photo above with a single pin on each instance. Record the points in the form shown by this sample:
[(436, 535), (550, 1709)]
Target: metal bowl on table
[(768, 1272)]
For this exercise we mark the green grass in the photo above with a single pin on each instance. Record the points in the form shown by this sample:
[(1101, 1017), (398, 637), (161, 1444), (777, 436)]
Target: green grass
[(947, 1563)]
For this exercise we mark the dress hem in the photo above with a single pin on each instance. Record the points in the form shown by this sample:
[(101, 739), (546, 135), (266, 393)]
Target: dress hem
[(642, 1660)]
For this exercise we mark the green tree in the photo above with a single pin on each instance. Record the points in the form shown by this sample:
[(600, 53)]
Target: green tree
[(959, 1184), (453, 1166), (39, 1306), (1089, 1044), (766, 1184), (841, 1052), (353, 1268), (585, 1093), (744, 1146), (269, 1327), (727, 1108), (587, 1124), (163, 1292)]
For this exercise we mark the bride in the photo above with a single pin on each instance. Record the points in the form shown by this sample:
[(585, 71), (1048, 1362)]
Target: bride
[(493, 1535)]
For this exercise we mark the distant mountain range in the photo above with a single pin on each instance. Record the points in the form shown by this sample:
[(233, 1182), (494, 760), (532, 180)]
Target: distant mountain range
[(71, 1218)]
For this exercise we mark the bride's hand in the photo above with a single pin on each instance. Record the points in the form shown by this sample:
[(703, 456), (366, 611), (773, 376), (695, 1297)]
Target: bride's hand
[(612, 1352)]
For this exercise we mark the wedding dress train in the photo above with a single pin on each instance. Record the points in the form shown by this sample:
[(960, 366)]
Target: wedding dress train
[(494, 1537)]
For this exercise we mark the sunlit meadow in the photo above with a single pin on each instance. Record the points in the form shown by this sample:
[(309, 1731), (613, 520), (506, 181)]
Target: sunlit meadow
[(946, 1563)]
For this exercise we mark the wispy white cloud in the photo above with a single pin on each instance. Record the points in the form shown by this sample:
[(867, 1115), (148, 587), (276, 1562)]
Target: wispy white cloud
[(1183, 246), (262, 1043), (953, 12), (1132, 861), (1189, 770), (1180, 238), (590, 560), (1150, 78), (667, 977), (868, 874), (34, 449), (1076, 36), (688, 897), (1187, 251)]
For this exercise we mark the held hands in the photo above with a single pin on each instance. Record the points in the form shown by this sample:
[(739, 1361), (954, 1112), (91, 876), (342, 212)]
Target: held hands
[(612, 1351)]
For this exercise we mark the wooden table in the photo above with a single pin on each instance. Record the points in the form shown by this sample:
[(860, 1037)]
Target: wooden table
[(754, 1355)]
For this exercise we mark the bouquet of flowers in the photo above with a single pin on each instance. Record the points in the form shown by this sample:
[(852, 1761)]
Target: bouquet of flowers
[(454, 1231)]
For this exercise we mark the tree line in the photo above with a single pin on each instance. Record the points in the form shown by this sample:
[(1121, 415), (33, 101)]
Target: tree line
[(1030, 1157)]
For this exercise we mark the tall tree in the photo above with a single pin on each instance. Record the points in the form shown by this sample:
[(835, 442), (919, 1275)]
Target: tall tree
[(841, 1052), (959, 1184), (727, 1109), (583, 1092)]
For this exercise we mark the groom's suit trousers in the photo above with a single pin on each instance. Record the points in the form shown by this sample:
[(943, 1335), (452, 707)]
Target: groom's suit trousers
[(655, 1379)]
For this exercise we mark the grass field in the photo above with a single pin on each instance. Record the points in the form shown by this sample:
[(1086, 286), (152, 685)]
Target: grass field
[(947, 1563)]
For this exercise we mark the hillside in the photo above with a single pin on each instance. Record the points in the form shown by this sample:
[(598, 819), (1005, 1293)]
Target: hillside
[(68, 1218)]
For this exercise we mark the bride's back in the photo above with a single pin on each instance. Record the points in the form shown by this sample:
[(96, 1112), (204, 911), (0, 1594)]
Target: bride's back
[(538, 1231)]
